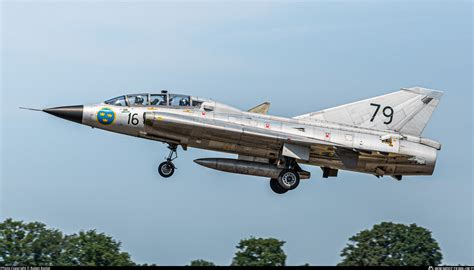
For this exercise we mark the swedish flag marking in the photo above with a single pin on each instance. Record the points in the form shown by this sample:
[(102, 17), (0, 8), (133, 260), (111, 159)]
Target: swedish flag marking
[(106, 116)]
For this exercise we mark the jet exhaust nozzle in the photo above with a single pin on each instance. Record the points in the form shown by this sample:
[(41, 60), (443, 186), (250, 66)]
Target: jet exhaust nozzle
[(245, 167)]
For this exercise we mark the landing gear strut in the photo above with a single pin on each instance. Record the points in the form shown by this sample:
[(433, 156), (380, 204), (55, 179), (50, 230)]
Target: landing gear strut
[(166, 168)]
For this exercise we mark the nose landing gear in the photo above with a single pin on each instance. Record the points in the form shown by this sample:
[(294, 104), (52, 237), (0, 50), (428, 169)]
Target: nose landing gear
[(166, 168)]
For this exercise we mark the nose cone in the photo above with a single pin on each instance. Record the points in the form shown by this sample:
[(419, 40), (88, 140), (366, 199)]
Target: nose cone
[(71, 113)]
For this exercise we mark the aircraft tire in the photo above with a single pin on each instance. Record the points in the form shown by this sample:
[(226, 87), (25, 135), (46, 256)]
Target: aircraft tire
[(166, 169), (276, 187), (289, 179)]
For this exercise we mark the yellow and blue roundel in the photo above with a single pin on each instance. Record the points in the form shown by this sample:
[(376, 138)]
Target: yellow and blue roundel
[(106, 116)]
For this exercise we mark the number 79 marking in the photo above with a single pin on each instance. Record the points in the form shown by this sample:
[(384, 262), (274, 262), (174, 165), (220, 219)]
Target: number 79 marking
[(387, 112)]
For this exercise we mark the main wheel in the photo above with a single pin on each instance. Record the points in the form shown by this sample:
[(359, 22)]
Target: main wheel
[(289, 179), (166, 169), (276, 187)]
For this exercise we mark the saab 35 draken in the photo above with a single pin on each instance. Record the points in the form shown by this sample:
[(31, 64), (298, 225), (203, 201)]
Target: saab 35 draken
[(380, 136)]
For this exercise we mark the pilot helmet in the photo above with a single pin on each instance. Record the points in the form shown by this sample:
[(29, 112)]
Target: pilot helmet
[(183, 102), (139, 100)]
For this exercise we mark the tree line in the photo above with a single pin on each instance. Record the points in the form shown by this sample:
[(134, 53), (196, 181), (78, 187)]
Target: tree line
[(385, 244)]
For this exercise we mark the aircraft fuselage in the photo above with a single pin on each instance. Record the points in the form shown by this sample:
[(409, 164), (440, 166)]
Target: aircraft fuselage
[(139, 122)]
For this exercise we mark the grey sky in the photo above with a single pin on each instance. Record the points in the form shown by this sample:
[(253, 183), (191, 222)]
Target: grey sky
[(301, 57)]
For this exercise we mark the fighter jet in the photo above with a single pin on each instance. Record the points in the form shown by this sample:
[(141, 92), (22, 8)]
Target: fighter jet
[(380, 136)]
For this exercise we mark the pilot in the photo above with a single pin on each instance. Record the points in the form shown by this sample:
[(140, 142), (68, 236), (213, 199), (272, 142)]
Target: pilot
[(139, 100), (184, 102)]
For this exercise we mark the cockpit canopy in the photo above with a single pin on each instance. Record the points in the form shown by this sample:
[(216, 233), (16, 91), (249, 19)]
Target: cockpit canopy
[(163, 99)]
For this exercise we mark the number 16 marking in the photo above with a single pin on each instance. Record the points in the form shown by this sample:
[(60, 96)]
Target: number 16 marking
[(132, 118)]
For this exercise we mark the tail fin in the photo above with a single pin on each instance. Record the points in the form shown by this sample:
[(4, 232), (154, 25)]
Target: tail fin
[(406, 111)]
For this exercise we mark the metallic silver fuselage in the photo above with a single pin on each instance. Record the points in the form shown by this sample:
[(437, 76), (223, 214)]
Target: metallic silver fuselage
[(248, 134)]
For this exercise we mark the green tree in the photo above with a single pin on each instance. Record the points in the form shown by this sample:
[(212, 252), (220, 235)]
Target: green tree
[(390, 244), (93, 249), (32, 244), (28, 244), (260, 252), (201, 262)]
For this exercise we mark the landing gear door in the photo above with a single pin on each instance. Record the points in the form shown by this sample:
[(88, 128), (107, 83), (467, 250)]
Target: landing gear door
[(296, 151)]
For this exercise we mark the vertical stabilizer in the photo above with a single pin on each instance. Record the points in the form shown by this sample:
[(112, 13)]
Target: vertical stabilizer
[(406, 111)]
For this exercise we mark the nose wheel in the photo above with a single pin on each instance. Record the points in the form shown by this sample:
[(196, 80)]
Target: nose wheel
[(167, 168)]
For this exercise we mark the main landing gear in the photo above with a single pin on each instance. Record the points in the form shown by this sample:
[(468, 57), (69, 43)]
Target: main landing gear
[(166, 168), (288, 179)]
